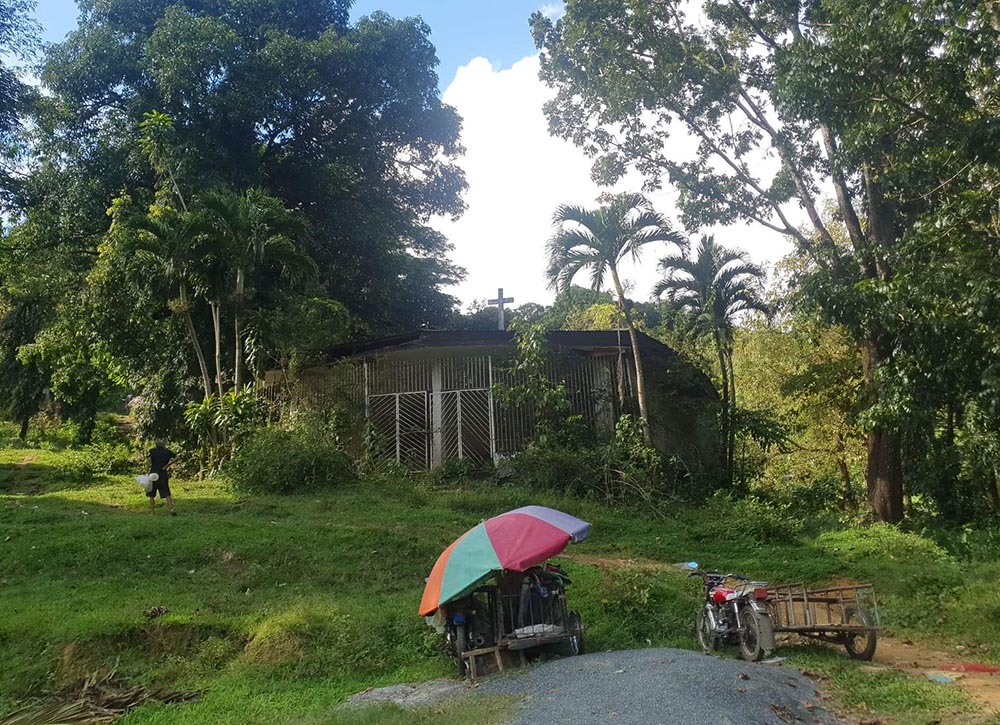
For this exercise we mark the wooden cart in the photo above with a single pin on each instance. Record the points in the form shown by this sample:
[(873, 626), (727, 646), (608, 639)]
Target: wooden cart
[(843, 615)]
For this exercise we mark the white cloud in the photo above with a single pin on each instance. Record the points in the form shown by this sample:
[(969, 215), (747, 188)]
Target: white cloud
[(553, 11), (518, 174)]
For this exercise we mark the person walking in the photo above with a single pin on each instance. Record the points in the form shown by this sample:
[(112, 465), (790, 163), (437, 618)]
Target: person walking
[(160, 460)]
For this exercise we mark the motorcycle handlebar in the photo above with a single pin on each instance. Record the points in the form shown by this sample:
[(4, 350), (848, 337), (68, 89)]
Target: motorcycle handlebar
[(704, 574)]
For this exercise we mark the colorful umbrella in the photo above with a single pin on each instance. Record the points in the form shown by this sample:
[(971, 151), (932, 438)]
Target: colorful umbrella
[(513, 541)]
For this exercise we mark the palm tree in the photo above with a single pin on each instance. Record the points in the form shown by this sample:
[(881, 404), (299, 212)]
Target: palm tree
[(253, 226), (596, 241), (168, 246), (715, 286), (210, 279)]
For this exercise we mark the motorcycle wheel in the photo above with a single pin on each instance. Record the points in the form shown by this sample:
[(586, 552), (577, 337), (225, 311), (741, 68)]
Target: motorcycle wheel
[(576, 627), (574, 645), (860, 646), (750, 646), (461, 645), (707, 638)]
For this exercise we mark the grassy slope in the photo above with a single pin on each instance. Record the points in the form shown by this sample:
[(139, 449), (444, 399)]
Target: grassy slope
[(280, 607)]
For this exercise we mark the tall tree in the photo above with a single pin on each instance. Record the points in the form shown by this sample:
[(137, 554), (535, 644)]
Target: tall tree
[(168, 247), (888, 103), (22, 382), (252, 226), (716, 286), (342, 121), (596, 241), (18, 37)]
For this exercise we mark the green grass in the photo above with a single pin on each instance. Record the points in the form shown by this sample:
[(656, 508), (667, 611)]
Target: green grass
[(280, 607)]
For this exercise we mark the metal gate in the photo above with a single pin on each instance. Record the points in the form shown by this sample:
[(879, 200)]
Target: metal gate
[(400, 426), (466, 426)]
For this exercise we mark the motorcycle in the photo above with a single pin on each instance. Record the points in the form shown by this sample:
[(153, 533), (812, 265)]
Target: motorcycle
[(468, 624), (735, 616)]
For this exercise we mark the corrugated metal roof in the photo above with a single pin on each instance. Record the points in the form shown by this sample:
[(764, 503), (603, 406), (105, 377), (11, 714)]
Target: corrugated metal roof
[(425, 339)]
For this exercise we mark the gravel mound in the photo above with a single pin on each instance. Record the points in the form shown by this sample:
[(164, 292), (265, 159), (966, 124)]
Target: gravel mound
[(659, 686)]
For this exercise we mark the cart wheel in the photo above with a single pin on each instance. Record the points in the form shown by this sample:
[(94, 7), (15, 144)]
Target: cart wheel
[(860, 646), (750, 646), (461, 644), (707, 639)]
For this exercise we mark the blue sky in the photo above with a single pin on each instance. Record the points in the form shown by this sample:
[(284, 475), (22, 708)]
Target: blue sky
[(461, 29)]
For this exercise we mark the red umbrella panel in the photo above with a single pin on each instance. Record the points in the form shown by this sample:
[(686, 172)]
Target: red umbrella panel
[(514, 541)]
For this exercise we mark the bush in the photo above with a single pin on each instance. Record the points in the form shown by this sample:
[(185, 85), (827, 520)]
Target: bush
[(749, 519), (623, 472), (277, 460), (979, 542), (881, 542), (110, 457)]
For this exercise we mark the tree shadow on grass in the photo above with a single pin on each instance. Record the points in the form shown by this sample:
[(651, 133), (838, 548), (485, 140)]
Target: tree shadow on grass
[(28, 478)]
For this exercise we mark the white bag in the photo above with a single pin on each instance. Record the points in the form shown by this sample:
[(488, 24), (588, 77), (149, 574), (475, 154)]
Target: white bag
[(146, 482)]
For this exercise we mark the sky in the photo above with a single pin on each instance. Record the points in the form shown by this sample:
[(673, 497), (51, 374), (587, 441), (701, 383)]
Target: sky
[(517, 173)]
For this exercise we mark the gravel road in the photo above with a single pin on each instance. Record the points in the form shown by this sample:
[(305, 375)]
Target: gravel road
[(659, 686)]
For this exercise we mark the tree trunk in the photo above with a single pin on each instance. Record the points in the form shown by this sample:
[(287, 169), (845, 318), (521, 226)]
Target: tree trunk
[(731, 461), (217, 326), (206, 380), (238, 370), (640, 377), (237, 331), (850, 505), (994, 490), (885, 475), (26, 421), (726, 420)]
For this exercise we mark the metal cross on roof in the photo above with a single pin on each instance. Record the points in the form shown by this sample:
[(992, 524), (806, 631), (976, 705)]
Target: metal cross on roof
[(500, 301)]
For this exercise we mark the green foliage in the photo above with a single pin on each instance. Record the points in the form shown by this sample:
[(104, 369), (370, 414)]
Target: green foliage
[(244, 99), (280, 461), (219, 424), (595, 242), (882, 542), (651, 608), (563, 454), (904, 262), (749, 518), (532, 391), (624, 471), (570, 302), (715, 286), (269, 630), (599, 316), (455, 470), (18, 40)]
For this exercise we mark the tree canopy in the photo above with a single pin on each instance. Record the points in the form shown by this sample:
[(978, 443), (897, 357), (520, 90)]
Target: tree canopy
[(890, 105), (169, 142)]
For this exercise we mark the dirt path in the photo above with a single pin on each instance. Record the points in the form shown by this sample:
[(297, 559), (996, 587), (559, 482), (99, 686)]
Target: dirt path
[(980, 682)]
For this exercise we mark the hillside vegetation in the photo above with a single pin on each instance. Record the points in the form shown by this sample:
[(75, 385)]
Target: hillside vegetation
[(280, 607)]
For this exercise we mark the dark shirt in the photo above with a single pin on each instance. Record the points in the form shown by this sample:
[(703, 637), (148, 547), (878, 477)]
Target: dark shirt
[(159, 457)]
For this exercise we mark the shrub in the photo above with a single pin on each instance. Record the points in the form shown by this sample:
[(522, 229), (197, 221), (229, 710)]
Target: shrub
[(455, 470), (881, 542), (748, 519), (277, 460), (623, 472), (975, 542), (110, 457), (566, 470), (648, 608)]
